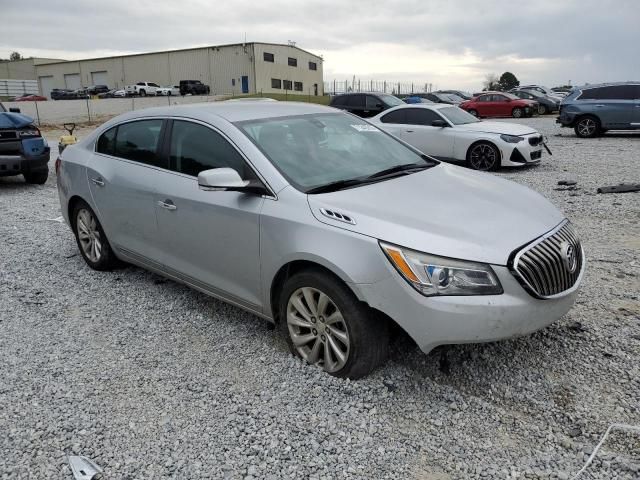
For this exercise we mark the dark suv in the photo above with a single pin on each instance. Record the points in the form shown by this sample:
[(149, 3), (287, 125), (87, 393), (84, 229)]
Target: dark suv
[(23, 149), (194, 87), (365, 104), (593, 109)]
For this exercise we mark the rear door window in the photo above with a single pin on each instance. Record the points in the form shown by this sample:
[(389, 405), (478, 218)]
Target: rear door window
[(356, 101), (372, 102), (195, 148), (397, 116), (107, 142), (138, 141)]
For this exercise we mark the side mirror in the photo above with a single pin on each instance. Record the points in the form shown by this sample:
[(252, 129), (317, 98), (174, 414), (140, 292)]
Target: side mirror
[(14, 110), (227, 179), (439, 123)]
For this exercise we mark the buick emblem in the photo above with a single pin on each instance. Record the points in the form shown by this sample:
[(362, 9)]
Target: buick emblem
[(569, 256)]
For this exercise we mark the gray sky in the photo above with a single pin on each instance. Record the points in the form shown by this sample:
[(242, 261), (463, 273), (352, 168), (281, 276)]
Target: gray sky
[(452, 44)]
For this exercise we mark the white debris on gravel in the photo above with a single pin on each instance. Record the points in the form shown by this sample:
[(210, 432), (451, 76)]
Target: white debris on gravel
[(153, 380)]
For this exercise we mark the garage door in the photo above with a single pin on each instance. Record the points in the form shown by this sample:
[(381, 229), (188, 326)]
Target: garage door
[(46, 85), (99, 78), (72, 81)]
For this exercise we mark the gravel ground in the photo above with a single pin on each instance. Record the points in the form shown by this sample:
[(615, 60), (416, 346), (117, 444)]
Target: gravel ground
[(153, 380)]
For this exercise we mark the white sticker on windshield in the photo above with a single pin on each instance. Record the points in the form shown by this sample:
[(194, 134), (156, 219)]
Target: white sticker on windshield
[(365, 128)]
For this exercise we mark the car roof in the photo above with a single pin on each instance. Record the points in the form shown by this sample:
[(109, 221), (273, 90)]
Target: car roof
[(428, 106), (607, 84), (233, 111)]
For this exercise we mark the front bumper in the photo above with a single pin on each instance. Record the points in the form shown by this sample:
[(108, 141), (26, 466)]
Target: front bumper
[(26, 156), (522, 153), (434, 321), (566, 119)]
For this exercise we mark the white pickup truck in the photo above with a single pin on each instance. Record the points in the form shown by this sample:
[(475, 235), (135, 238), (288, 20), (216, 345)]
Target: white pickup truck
[(142, 88)]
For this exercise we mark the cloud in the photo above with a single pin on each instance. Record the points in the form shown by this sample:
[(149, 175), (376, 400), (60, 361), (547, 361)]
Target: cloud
[(441, 42)]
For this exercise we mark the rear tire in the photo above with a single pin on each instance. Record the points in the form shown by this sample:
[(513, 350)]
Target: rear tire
[(587, 127), (91, 239), (516, 112), (326, 325), (38, 178)]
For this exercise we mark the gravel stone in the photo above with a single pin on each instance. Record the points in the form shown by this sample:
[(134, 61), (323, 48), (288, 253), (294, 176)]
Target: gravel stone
[(151, 379)]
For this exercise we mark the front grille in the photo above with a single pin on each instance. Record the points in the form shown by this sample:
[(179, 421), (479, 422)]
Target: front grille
[(8, 134), (552, 264), (533, 141)]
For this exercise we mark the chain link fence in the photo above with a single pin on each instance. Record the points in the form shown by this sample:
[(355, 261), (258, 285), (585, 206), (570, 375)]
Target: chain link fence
[(335, 87)]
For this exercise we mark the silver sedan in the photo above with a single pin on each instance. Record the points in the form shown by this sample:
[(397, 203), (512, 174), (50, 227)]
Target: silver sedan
[(322, 223)]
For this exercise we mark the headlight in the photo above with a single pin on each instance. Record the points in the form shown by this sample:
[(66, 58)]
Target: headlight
[(29, 133), (431, 275), (511, 138)]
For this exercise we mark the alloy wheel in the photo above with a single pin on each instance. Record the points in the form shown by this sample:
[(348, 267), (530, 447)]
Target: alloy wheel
[(483, 157), (517, 113), (89, 235), (318, 329), (587, 127), (542, 109)]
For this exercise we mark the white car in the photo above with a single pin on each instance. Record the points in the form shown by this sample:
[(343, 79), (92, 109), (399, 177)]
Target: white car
[(120, 93), (448, 133), (168, 91)]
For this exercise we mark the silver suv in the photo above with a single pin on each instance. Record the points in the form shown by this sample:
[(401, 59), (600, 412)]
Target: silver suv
[(320, 222), (593, 109)]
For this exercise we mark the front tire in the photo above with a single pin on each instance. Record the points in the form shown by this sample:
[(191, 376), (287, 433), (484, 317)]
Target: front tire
[(91, 239), (474, 112), (542, 110), (587, 127), (483, 156), (38, 178), (143, 93), (326, 325), (516, 112)]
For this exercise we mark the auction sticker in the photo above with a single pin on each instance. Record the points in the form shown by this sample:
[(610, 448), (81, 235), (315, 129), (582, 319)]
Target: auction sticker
[(365, 128)]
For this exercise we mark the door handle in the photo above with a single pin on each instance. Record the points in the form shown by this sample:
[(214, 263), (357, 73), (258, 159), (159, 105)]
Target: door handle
[(167, 204), (409, 131), (98, 181)]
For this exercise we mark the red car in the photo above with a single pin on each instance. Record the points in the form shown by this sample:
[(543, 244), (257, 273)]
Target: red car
[(499, 104), (30, 98)]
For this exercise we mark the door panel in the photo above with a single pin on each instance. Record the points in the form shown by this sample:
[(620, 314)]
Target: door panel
[(123, 194), (211, 237), (435, 141)]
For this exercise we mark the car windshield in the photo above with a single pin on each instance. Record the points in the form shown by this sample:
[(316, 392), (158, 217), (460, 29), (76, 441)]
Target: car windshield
[(318, 150), (535, 93), (457, 116), (390, 100), (510, 95), (455, 97)]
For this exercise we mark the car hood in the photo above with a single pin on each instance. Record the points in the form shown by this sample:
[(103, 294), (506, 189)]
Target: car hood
[(445, 210), (14, 120), (497, 127)]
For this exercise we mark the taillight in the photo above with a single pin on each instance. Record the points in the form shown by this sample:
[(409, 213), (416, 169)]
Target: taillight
[(58, 163)]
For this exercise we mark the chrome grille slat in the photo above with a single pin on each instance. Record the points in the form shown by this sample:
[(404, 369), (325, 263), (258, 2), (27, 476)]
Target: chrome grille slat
[(542, 266)]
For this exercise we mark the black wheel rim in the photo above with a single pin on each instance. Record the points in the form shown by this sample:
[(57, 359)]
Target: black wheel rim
[(483, 157)]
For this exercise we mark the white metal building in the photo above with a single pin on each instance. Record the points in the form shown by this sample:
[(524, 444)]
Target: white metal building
[(227, 69)]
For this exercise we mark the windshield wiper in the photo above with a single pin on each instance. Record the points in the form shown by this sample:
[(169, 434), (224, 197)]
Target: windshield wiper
[(338, 185), (407, 167)]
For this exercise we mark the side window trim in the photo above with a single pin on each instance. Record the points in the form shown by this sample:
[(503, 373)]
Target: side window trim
[(256, 172)]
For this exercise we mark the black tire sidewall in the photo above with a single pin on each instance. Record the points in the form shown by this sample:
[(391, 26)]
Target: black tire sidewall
[(367, 332), (39, 178)]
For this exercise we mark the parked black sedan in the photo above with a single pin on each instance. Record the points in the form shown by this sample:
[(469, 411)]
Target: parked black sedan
[(545, 104), (365, 104)]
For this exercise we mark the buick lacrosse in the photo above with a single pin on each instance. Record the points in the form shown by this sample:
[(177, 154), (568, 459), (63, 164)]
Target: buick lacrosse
[(321, 222)]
